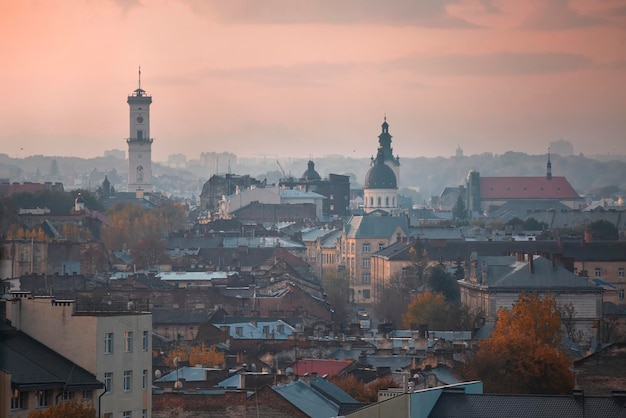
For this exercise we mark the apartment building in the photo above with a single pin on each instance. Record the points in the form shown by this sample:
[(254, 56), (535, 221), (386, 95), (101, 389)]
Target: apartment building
[(111, 342)]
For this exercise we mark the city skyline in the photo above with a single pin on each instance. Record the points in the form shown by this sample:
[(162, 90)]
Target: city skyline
[(307, 78)]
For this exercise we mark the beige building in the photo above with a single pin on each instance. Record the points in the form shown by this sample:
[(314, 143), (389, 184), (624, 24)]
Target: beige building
[(114, 345), (362, 236), (495, 282), (387, 264)]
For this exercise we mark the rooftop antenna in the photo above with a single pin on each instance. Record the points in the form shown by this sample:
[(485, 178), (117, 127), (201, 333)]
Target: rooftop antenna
[(140, 77)]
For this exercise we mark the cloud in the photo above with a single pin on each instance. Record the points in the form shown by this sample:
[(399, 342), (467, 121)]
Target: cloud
[(429, 13), (313, 74), (557, 15), (496, 64)]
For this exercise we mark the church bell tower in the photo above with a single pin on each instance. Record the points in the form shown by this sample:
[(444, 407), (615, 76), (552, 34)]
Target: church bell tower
[(139, 142)]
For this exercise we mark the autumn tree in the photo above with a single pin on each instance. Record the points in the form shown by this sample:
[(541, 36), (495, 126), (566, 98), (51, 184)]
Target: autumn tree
[(352, 386), (67, 409), (195, 354), (129, 224), (522, 355)]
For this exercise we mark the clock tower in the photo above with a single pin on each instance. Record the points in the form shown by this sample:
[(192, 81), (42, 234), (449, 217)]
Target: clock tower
[(139, 142)]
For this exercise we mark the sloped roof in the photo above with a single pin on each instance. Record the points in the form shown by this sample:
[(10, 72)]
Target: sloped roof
[(506, 272), (180, 316), (308, 400), (375, 226), (35, 366), (331, 391), (500, 405), (319, 366), (526, 188)]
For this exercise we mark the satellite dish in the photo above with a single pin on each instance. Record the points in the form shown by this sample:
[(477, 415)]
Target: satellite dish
[(157, 373), (175, 361), (178, 385), (288, 370)]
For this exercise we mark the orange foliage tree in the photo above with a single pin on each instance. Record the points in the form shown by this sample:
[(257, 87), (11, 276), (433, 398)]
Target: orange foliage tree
[(73, 409), (359, 390), (523, 355), (196, 354)]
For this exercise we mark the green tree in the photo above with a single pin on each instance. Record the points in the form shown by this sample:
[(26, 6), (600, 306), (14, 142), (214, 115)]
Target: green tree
[(603, 230), (433, 309), (441, 282), (459, 211), (522, 355)]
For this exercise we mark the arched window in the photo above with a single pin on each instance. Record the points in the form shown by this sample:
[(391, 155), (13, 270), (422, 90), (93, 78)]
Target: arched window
[(387, 201), (379, 202), (371, 201), (393, 202)]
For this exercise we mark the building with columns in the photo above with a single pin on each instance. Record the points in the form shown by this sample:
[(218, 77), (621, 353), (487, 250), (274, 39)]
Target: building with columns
[(139, 142)]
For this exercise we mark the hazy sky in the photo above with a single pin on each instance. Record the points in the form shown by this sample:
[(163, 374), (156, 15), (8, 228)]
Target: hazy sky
[(306, 78)]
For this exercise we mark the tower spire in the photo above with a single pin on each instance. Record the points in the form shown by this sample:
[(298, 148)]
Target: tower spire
[(140, 77), (549, 166)]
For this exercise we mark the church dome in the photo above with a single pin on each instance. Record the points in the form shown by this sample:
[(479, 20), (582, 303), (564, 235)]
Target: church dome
[(310, 174), (380, 175)]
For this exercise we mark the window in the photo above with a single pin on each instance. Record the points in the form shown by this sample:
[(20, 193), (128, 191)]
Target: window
[(379, 202), (127, 414), (144, 413), (68, 395), (87, 395), (108, 415), (128, 376), (140, 135), (18, 400), (366, 278), (387, 201), (108, 382), (108, 343), (352, 247), (266, 329), (280, 329), (128, 341), (43, 398), (366, 293), (381, 246), (366, 262), (239, 331), (598, 272), (144, 379), (621, 294), (145, 341), (332, 207), (620, 272), (366, 247)]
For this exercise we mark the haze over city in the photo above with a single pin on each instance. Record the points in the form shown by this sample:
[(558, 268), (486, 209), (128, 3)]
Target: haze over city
[(311, 78)]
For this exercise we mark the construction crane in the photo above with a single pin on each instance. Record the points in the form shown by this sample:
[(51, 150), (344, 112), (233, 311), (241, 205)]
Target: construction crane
[(282, 170)]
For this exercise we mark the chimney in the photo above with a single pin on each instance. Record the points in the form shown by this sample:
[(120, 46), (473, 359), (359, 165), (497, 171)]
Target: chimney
[(531, 263)]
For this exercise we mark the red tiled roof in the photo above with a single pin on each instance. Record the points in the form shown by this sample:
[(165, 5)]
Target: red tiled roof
[(319, 366), (526, 188)]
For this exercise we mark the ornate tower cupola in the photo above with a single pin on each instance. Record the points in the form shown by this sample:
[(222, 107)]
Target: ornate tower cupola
[(549, 167), (139, 141), (384, 144)]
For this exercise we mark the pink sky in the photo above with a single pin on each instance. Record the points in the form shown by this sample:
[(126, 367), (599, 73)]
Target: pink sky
[(299, 78)]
